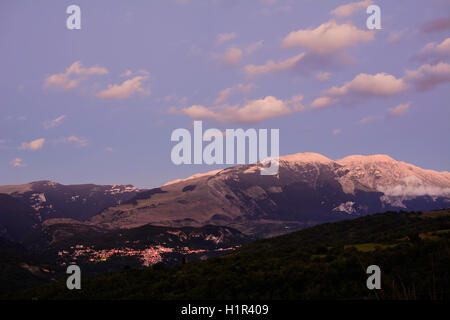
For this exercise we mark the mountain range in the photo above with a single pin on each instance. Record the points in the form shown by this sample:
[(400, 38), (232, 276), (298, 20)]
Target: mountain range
[(308, 189), (46, 226)]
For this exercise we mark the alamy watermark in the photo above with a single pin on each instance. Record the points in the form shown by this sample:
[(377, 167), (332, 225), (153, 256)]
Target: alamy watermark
[(190, 150)]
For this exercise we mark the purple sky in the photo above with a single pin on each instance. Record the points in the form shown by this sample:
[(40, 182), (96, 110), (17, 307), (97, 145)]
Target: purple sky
[(99, 104)]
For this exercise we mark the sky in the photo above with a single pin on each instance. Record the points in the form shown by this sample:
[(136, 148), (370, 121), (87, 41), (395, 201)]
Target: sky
[(99, 104)]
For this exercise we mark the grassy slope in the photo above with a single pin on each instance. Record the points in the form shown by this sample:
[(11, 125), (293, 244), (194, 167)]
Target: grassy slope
[(323, 262)]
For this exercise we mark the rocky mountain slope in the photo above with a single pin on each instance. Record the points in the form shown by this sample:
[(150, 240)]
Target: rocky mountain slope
[(24, 207), (309, 189)]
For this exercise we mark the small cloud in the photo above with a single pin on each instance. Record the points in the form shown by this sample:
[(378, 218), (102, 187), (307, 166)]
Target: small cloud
[(363, 85), (337, 131), (232, 57), (18, 163), (224, 94), (367, 119), (429, 76), (224, 37), (109, 149), (395, 37), (253, 111), (73, 75), (322, 102), (322, 76), (253, 47), (350, 8), (126, 89), (73, 139), (296, 103), (127, 73), (435, 52), (271, 66), (399, 110), (327, 38), (33, 145), (55, 122)]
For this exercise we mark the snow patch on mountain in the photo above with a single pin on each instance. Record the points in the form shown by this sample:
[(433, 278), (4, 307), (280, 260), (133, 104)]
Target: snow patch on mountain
[(346, 207)]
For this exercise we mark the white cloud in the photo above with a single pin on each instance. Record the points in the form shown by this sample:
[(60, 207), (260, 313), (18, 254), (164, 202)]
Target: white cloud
[(322, 102), (18, 163), (271, 66), (399, 110), (350, 8), (368, 84), (380, 84), (435, 52), (252, 111), (253, 47), (428, 76), (67, 81), (55, 122), (395, 37), (328, 37), (224, 94), (126, 89), (232, 57), (367, 119), (322, 76), (33, 145), (73, 139), (224, 37)]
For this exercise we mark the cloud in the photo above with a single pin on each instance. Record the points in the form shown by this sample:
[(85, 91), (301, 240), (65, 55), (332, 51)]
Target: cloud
[(367, 119), (350, 8), (363, 83), (73, 75), (322, 102), (224, 94), (126, 89), (55, 122), (322, 76), (224, 37), (252, 111), (271, 66), (33, 145), (437, 25), (395, 37), (380, 84), (232, 57), (127, 73), (253, 47), (428, 76), (337, 131), (435, 52), (73, 139), (18, 163), (296, 103), (328, 37), (399, 110)]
